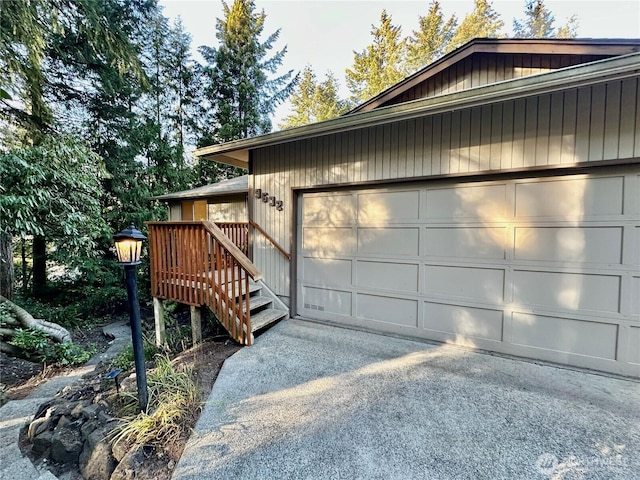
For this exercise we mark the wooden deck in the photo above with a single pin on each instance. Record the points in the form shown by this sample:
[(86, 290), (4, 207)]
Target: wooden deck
[(196, 263)]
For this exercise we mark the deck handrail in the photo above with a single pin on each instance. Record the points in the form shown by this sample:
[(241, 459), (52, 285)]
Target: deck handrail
[(194, 262), (238, 254), (271, 240), (238, 232)]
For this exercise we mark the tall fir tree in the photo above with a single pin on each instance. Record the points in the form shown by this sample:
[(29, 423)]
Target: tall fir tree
[(314, 101), (380, 65), (538, 22), (240, 85), (430, 41), (482, 22)]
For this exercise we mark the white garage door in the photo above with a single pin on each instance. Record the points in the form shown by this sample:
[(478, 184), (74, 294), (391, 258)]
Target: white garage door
[(546, 268)]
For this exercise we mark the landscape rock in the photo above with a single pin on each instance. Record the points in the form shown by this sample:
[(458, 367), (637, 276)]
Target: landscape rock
[(96, 460), (87, 428), (63, 421), (134, 465), (41, 443), (119, 450), (66, 444)]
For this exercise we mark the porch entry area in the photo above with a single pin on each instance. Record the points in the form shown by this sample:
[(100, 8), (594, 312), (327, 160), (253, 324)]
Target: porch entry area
[(200, 263), (545, 267)]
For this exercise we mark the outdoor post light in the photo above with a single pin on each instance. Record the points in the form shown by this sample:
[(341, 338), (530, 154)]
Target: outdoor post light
[(128, 246)]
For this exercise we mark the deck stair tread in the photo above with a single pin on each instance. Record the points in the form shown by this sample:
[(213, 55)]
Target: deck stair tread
[(256, 302), (266, 317)]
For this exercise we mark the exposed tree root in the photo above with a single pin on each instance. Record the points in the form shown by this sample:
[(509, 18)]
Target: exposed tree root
[(26, 320)]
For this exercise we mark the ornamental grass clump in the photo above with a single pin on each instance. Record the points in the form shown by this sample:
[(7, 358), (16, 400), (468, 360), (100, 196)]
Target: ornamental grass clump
[(174, 406)]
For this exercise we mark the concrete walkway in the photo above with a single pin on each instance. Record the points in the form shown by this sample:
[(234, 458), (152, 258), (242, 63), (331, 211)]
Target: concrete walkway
[(317, 402), (16, 413)]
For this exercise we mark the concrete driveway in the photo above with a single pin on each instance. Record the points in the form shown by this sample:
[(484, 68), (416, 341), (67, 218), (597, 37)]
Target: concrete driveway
[(312, 401)]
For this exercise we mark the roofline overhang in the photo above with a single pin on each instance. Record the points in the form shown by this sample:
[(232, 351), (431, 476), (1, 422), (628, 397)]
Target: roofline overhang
[(584, 46), (601, 71), (177, 196)]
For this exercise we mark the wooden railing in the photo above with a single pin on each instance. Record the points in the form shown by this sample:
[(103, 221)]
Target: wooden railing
[(238, 232), (286, 254), (197, 264)]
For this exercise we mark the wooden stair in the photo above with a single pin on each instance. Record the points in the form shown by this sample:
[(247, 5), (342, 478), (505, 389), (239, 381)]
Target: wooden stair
[(262, 308), (198, 264)]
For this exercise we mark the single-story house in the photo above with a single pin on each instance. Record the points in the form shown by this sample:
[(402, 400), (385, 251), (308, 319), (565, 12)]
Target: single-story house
[(225, 201), (490, 200)]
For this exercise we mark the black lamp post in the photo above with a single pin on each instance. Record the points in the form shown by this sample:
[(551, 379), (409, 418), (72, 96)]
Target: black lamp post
[(128, 246)]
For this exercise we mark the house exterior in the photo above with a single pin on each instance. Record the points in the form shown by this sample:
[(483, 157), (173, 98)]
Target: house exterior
[(491, 200), (225, 201)]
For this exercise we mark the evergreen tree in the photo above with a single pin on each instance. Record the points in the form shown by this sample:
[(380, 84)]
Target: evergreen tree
[(327, 102), (429, 42), (314, 102), (240, 93), (538, 22), (482, 22), (380, 65), (49, 49)]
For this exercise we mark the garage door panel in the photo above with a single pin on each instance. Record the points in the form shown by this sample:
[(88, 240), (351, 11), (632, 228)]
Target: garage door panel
[(387, 276), (396, 241), (465, 242), (634, 341), (328, 301), (635, 296), (567, 291), (396, 311), (388, 207), (463, 321), (327, 271), (545, 267), (329, 210), (569, 244), (478, 284), (565, 335), (332, 239), (481, 202), (571, 199)]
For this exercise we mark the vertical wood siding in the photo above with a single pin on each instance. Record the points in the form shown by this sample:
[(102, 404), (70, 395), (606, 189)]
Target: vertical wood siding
[(576, 126), (485, 68), (228, 209)]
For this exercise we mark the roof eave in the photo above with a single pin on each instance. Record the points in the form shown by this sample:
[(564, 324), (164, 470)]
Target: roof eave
[(562, 79)]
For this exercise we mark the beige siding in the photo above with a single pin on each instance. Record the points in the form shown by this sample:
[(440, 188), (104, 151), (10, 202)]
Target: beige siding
[(175, 212), (565, 128), (228, 209), (486, 68)]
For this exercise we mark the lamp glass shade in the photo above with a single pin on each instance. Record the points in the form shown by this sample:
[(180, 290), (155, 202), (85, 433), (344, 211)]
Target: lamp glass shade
[(128, 250), (129, 245)]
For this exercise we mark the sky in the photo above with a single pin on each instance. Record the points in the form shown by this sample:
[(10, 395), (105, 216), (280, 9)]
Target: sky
[(325, 33)]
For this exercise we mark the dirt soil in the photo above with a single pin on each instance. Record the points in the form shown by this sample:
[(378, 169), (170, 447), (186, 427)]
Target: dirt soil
[(21, 377)]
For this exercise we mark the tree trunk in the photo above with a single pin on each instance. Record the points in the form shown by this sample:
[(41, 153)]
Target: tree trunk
[(53, 330), (7, 274), (39, 264)]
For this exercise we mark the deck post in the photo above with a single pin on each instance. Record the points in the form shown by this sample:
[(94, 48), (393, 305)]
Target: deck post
[(158, 316), (196, 325)]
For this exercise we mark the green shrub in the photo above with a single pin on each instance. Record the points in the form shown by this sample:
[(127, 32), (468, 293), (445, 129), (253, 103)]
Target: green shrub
[(73, 354), (35, 342), (125, 361)]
